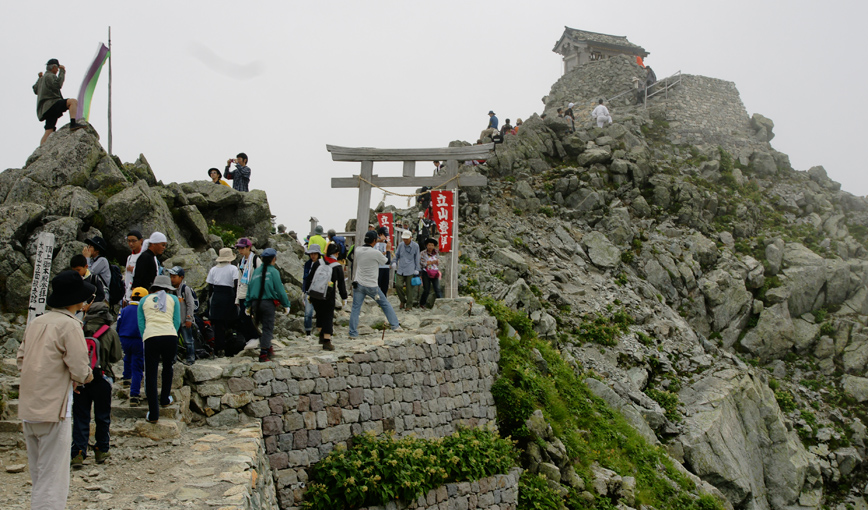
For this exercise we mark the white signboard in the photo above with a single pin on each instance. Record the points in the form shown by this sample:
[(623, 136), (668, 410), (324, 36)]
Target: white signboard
[(41, 275)]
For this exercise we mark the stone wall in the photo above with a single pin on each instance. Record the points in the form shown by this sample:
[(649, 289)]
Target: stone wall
[(498, 492), (704, 110), (427, 385)]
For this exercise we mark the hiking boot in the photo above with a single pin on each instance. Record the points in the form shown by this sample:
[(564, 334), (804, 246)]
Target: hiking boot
[(271, 352), (397, 329), (135, 401), (327, 345), (188, 362), (125, 383), (101, 456), (170, 402), (264, 357), (77, 126), (77, 462)]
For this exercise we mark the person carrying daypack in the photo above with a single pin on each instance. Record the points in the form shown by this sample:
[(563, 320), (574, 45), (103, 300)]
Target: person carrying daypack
[(265, 293), (341, 241), (189, 304), (131, 342), (326, 280)]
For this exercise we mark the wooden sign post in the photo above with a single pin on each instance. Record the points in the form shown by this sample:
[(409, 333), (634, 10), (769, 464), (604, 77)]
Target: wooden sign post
[(450, 179), (41, 275)]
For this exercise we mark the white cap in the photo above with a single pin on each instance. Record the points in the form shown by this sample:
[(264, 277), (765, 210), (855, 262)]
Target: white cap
[(570, 105), (406, 235), (158, 237)]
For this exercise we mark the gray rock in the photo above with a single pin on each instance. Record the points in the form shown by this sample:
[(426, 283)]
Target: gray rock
[(537, 424), (763, 164), (601, 251), (509, 258), (224, 418), (73, 201), (594, 155), (17, 219), (627, 409), (550, 471), (762, 127), (524, 190), (855, 386), (773, 335), (139, 207)]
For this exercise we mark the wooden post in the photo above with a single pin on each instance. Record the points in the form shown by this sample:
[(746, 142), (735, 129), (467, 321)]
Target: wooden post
[(41, 275), (451, 262), (363, 213), (313, 223)]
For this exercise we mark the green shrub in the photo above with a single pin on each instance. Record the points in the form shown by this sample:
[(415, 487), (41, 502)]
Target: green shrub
[(377, 470), (627, 257), (827, 328), (534, 493), (229, 234), (785, 401), (547, 211), (668, 401)]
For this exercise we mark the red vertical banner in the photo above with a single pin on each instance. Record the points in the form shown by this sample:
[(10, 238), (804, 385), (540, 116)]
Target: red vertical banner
[(442, 203), (387, 220)]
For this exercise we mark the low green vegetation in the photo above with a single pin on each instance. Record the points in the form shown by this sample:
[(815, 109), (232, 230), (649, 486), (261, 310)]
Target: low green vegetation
[(603, 330), (668, 401), (227, 233), (377, 470), (591, 431)]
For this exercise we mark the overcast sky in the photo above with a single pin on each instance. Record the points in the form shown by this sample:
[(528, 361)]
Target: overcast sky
[(195, 82)]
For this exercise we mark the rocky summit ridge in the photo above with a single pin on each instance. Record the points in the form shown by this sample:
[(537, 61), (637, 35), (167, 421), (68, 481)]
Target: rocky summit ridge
[(674, 262)]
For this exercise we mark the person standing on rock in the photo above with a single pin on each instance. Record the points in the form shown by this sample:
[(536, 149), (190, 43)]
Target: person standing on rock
[(248, 264), (50, 104), (222, 309), (407, 258), (53, 362), (97, 394), (217, 177), (317, 238), (240, 177), (430, 262), (601, 114), (325, 307), (134, 241), (147, 264), (365, 283), (264, 294), (159, 318)]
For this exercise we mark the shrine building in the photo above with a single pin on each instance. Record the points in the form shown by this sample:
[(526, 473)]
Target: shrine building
[(579, 47)]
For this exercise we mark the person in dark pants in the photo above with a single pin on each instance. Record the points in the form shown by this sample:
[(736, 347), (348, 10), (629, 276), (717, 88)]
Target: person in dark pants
[(222, 310), (97, 394), (430, 261), (159, 320), (385, 269), (265, 292), (325, 308)]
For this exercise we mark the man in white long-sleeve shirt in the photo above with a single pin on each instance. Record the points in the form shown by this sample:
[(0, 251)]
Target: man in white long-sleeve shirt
[(601, 113)]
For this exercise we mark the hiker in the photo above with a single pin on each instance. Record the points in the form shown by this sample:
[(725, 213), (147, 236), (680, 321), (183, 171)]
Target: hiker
[(560, 113), (249, 262), (97, 394), (131, 343), (384, 248), (570, 115), (95, 252), (78, 263), (518, 123), (53, 362), (507, 128), (601, 113), (134, 241), (407, 258), (222, 310), (314, 254), (426, 229), (240, 177), (159, 318), (317, 238), (437, 168), (147, 264), (217, 177), (368, 260), (323, 299), (430, 262), (188, 311), (50, 104), (265, 292), (341, 241), (492, 126)]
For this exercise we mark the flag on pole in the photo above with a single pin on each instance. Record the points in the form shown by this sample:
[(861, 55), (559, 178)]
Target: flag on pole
[(88, 84)]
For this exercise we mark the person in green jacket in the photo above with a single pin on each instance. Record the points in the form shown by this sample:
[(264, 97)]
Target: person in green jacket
[(50, 104), (262, 300)]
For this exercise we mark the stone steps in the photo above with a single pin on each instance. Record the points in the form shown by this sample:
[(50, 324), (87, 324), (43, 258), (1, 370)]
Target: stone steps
[(123, 411), (11, 426)]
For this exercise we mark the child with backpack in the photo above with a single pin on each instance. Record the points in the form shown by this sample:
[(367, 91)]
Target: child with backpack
[(189, 305), (131, 342), (104, 346)]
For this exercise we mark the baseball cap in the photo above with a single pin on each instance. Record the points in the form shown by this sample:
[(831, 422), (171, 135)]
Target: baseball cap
[(176, 270), (243, 243), (370, 236), (406, 235), (53, 62), (157, 237), (139, 292)]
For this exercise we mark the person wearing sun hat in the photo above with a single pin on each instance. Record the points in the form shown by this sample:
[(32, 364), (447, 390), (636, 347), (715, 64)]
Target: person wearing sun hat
[(53, 360), (217, 177), (159, 318), (131, 343), (222, 309), (96, 252)]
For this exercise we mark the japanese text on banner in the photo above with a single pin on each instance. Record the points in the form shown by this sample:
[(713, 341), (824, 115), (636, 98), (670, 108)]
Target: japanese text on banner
[(387, 220), (442, 203)]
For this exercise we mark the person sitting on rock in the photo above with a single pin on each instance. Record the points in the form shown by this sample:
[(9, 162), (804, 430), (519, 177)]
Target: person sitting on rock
[(97, 394), (601, 114), (507, 128), (217, 177), (518, 123), (131, 343), (240, 177), (78, 263), (492, 126), (50, 104)]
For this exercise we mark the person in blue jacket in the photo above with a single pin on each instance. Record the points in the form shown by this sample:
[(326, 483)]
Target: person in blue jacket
[(131, 342)]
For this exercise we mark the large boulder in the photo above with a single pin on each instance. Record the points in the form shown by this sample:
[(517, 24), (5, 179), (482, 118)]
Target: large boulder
[(67, 157), (601, 251), (856, 386), (139, 207), (17, 219), (73, 201), (773, 335), (762, 127)]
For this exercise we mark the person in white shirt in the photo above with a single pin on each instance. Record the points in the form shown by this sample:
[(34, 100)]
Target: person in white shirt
[(601, 113), (134, 241), (222, 309)]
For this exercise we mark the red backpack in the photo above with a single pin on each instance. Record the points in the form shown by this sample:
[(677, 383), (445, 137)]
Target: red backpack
[(93, 347)]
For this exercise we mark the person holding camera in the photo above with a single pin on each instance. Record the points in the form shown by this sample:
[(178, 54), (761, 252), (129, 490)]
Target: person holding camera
[(367, 261), (240, 177)]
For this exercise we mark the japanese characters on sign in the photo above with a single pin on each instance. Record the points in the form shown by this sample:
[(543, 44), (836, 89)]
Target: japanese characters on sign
[(387, 220), (442, 204), (41, 275)]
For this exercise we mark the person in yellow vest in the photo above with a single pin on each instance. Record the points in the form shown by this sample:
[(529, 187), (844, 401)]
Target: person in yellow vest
[(159, 319)]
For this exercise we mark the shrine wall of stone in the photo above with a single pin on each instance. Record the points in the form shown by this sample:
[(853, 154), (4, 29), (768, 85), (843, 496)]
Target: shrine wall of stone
[(427, 385)]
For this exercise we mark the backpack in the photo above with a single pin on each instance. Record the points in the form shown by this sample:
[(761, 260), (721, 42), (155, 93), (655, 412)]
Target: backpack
[(319, 285), (342, 244), (117, 288), (93, 348), (195, 297)]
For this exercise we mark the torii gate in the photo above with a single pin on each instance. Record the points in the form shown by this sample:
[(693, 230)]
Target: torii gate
[(449, 180)]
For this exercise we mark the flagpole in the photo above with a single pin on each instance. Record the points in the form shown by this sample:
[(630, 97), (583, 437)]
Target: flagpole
[(110, 91)]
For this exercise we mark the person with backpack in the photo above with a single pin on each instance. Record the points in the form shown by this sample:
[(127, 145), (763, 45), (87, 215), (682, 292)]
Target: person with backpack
[(53, 362), (426, 229), (264, 294), (250, 261), (78, 263), (314, 254), (95, 252), (147, 264), (189, 304), (159, 318), (222, 309), (341, 241), (131, 343), (105, 348), (324, 281), (368, 260)]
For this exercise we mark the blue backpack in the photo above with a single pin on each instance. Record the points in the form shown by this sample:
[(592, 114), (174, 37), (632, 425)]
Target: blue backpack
[(341, 241)]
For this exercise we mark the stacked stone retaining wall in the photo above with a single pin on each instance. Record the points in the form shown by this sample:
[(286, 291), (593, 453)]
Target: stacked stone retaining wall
[(425, 384), (498, 492)]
